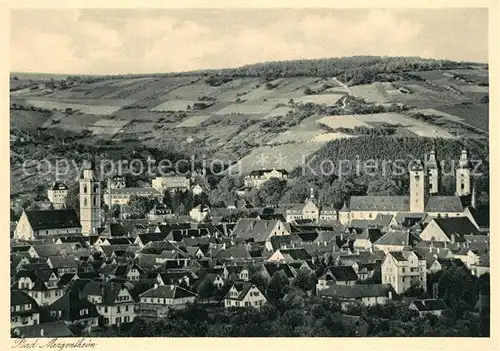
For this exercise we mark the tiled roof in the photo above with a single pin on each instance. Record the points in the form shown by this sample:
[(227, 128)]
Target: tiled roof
[(70, 304), (53, 219), (242, 288), (379, 203), (258, 230), (261, 172), (399, 238), (444, 204), (47, 250), (430, 305), (59, 186), (356, 290), (18, 297), (54, 329), (456, 225), (63, 261), (168, 292), (342, 273)]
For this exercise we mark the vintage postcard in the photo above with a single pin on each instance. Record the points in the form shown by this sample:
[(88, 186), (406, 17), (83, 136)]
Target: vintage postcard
[(282, 172)]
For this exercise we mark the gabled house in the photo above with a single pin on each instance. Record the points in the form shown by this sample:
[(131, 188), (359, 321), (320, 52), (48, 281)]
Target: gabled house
[(259, 230), (468, 256), (290, 255), (63, 264), (402, 269), (364, 241), (244, 294), (396, 240), (156, 302), (23, 309), (451, 229), (113, 300), (429, 306), (74, 310), (57, 329), (366, 294), (41, 285), (343, 275), (47, 224)]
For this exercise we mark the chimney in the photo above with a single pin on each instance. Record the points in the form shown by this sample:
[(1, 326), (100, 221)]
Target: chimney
[(156, 286)]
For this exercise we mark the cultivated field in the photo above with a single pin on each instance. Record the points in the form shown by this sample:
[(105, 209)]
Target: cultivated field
[(244, 109), (335, 122), (61, 106), (174, 105), (327, 99), (192, 121), (369, 93)]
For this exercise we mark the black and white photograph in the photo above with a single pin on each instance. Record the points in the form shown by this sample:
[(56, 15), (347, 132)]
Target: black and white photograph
[(248, 172)]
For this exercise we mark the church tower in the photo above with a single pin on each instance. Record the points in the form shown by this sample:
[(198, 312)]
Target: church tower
[(433, 170), (418, 188), (90, 199), (463, 185)]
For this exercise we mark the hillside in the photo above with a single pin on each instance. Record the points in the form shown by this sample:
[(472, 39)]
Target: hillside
[(265, 115)]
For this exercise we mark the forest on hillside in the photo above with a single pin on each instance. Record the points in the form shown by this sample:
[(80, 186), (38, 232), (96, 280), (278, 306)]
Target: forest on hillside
[(353, 70)]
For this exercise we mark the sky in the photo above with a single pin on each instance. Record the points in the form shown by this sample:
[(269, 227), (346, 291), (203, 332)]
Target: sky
[(106, 41)]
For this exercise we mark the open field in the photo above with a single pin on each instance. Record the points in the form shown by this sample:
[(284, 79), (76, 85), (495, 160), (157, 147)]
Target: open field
[(342, 122), (61, 106), (328, 99), (473, 114), (277, 112), (174, 105), (417, 127), (369, 93), (192, 121), (243, 108)]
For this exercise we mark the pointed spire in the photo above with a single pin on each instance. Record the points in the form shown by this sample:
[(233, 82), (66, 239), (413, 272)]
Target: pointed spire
[(432, 161)]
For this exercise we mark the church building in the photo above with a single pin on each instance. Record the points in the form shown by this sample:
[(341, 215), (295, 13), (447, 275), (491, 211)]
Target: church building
[(424, 195), (90, 200)]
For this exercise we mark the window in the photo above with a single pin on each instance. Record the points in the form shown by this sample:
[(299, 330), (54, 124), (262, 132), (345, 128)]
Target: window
[(247, 303), (85, 202), (118, 309), (84, 188), (106, 309), (126, 308)]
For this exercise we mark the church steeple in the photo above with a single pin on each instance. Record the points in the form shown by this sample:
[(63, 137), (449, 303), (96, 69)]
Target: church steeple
[(90, 199), (463, 181), (433, 172)]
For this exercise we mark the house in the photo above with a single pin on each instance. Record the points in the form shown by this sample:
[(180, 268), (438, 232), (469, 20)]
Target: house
[(113, 300), (199, 213), (41, 285), (49, 250), (23, 309), (311, 210), (365, 294), (217, 280), (290, 255), (244, 294), (63, 264), (396, 240), (160, 213), (468, 256), (259, 231), (402, 269), (481, 267), (122, 196), (197, 189), (343, 275), (258, 177), (451, 229), (47, 224), (429, 306), (74, 310), (57, 329), (364, 241), (58, 194), (156, 302), (268, 269), (171, 183)]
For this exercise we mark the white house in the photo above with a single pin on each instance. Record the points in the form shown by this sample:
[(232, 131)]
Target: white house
[(47, 224), (199, 213), (402, 269), (58, 194), (156, 302), (244, 294)]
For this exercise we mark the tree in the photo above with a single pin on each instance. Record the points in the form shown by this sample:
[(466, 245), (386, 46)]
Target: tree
[(277, 286), (205, 288), (302, 281), (272, 191), (384, 186), (139, 206)]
